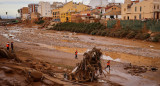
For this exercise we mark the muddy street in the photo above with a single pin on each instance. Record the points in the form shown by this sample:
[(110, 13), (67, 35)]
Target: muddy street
[(58, 48)]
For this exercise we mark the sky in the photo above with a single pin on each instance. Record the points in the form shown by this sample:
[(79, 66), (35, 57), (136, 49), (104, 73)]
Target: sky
[(11, 6)]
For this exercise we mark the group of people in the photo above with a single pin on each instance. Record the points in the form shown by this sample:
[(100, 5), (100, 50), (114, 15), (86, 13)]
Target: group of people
[(108, 62), (8, 46)]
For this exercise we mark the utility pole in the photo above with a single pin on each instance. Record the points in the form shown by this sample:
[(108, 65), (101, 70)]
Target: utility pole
[(7, 14)]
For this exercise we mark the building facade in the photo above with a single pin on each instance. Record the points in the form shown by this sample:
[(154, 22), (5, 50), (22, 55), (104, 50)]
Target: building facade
[(137, 10), (24, 13), (33, 8), (70, 8), (112, 12), (33, 11), (44, 9), (56, 15), (56, 5)]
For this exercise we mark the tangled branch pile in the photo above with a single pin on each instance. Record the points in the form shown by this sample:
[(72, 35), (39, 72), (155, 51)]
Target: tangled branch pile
[(89, 69)]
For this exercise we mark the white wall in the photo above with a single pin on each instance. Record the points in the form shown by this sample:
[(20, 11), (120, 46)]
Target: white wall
[(44, 9)]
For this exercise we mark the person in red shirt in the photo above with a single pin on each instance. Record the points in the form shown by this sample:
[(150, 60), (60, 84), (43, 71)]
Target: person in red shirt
[(76, 54), (7, 45), (108, 64)]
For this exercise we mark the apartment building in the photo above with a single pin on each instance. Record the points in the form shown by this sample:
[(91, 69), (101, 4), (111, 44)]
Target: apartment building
[(44, 9), (69, 8), (137, 10), (24, 13)]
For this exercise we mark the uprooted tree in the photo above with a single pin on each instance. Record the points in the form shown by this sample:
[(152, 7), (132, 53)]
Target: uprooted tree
[(89, 68)]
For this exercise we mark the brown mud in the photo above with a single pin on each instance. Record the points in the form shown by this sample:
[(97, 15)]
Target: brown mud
[(57, 49)]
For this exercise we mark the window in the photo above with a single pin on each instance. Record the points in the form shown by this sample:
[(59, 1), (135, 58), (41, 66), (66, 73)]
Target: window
[(140, 9), (154, 6), (128, 17), (135, 9)]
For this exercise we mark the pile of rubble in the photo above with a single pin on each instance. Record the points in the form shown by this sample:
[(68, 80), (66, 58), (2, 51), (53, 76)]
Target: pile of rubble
[(137, 70), (89, 68), (8, 54), (14, 71)]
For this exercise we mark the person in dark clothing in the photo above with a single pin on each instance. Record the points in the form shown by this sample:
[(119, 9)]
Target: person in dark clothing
[(12, 46), (76, 54)]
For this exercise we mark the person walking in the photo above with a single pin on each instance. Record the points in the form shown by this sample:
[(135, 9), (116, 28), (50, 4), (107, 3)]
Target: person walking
[(76, 54), (108, 64), (12, 46), (7, 45)]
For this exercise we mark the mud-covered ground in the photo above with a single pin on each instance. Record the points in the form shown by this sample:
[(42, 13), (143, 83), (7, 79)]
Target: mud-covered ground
[(57, 48)]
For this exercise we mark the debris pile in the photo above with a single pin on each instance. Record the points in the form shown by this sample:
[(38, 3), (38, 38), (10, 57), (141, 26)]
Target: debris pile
[(89, 68), (135, 70), (9, 55), (25, 73)]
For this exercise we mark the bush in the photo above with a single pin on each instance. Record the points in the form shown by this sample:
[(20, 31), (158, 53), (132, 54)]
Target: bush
[(80, 27), (131, 34), (94, 32), (123, 34), (145, 36), (138, 36), (156, 38), (142, 36), (103, 33), (39, 22)]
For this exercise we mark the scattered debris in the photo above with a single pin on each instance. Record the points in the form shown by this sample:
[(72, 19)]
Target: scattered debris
[(89, 69), (35, 75), (7, 70), (135, 70), (8, 54), (154, 69)]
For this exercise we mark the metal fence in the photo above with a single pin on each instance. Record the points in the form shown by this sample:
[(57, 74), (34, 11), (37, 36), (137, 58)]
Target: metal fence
[(152, 25)]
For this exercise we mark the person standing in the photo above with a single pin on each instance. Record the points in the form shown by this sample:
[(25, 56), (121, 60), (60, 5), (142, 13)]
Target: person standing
[(7, 45), (76, 54), (12, 46)]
